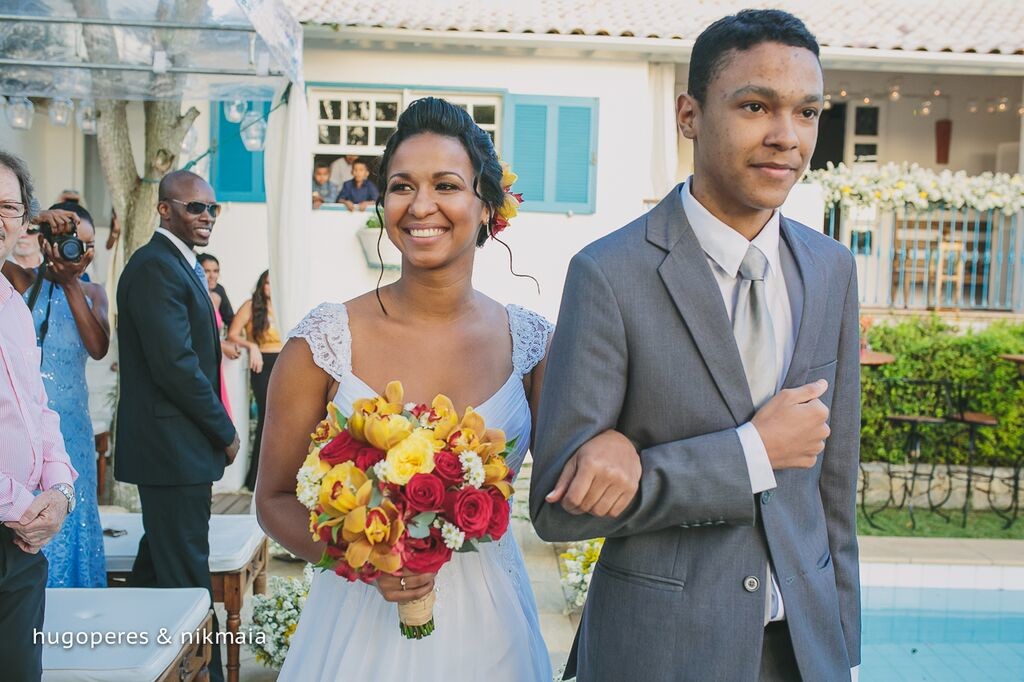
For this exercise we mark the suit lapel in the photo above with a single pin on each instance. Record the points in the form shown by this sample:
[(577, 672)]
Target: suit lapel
[(197, 286), (693, 289), (808, 274)]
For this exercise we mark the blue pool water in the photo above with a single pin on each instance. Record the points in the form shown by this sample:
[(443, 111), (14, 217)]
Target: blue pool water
[(917, 634)]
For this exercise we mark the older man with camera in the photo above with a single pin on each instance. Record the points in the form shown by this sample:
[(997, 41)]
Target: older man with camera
[(32, 455)]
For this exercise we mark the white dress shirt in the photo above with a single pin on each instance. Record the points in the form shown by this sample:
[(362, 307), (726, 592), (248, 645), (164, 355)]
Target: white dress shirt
[(186, 250), (725, 248)]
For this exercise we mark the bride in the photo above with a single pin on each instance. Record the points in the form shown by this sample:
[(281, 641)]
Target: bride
[(441, 192)]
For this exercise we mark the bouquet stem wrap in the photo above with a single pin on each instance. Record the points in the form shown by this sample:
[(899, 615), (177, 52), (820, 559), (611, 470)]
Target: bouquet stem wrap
[(416, 618)]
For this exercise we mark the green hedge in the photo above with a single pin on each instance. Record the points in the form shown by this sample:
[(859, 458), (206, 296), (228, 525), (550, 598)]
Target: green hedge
[(928, 348)]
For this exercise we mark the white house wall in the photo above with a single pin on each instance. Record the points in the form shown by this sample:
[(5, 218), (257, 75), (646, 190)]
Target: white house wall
[(542, 243)]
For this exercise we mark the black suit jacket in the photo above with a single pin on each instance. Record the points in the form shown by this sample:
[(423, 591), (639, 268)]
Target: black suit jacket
[(172, 428)]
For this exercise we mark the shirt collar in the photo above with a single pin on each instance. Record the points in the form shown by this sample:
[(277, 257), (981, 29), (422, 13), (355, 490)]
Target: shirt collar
[(189, 254), (724, 245)]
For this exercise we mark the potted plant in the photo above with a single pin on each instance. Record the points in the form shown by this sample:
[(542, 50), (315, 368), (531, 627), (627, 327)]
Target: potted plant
[(390, 258)]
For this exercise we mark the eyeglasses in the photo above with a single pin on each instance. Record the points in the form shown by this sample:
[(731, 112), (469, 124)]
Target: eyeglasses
[(197, 207), (12, 209)]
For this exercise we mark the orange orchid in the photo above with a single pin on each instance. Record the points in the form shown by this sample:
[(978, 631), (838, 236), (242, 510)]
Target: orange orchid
[(375, 408), (372, 535), (342, 488)]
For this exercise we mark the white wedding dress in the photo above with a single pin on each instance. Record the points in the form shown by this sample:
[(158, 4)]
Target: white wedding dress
[(485, 615)]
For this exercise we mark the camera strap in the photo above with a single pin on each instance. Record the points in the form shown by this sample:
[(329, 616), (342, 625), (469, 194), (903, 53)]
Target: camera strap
[(34, 296)]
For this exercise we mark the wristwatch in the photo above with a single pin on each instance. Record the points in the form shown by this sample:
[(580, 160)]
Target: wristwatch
[(68, 492)]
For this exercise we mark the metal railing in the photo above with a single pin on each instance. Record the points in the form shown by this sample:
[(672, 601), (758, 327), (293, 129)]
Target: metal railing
[(935, 259)]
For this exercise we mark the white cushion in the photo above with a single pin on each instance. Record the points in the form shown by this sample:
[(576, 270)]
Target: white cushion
[(233, 540), (94, 613)]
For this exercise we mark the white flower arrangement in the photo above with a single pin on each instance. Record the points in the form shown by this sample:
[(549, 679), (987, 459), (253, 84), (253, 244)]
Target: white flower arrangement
[(275, 616), (578, 561), (891, 186), (452, 536), (472, 468)]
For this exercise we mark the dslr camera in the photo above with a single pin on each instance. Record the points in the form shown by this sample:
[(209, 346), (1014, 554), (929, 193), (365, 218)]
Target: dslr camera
[(68, 246)]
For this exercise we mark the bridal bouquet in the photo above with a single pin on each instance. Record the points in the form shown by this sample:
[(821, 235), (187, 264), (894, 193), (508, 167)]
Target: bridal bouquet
[(402, 486)]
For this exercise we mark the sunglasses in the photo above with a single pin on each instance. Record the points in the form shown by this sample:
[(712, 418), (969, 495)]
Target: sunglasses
[(197, 207)]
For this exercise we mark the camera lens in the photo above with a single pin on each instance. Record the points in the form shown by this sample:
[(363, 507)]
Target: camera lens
[(71, 250)]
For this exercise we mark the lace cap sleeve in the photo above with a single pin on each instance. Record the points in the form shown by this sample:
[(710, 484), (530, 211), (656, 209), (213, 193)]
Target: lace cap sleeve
[(530, 334), (325, 329)]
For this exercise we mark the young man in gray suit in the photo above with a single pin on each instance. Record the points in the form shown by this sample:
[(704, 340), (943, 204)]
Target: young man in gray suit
[(701, 407)]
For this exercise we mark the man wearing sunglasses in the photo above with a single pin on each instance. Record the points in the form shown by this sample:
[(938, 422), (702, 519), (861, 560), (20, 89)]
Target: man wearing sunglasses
[(174, 436)]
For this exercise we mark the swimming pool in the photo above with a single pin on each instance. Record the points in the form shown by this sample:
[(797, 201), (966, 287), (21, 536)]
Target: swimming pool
[(942, 634)]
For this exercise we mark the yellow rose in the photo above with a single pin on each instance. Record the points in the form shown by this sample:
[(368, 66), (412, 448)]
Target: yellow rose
[(343, 488), (315, 466), (386, 431), (414, 455)]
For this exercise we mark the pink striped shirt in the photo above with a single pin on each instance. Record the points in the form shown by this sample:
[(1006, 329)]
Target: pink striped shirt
[(32, 455)]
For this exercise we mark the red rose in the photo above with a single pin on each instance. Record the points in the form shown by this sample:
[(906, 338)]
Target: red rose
[(471, 510), (424, 493), (342, 448), (500, 514), (425, 555), (448, 467), (368, 456)]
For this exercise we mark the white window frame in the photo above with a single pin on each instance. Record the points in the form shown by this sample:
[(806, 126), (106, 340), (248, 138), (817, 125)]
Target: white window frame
[(852, 139), (402, 97), (319, 95)]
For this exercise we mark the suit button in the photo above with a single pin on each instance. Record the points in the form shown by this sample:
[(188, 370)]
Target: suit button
[(765, 496), (750, 583)]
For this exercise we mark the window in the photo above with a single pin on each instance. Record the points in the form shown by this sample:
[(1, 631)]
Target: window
[(354, 122), (236, 174), (486, 111), (864, 134), (551, 143)]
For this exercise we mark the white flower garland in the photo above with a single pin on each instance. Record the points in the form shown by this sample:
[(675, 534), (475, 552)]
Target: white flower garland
[(892, 186)]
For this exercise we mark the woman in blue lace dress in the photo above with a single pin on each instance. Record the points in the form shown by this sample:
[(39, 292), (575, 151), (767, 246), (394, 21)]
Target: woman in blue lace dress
[(70, 318)]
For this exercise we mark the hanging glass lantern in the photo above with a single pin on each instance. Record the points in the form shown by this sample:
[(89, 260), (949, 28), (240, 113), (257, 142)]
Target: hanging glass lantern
[(60, 110), (253, 131), (20, 112), (235, 110), (86, 117)]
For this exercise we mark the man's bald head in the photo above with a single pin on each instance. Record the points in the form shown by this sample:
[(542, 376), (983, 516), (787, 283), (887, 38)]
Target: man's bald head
[(179, 182)]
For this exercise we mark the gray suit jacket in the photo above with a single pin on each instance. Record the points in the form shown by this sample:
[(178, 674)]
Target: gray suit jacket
[(644, 346)]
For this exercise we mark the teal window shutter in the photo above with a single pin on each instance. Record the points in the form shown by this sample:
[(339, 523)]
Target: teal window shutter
[(236, 174), (551, 143)]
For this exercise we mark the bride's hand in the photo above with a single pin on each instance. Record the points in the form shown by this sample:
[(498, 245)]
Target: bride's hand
[(417, 585)]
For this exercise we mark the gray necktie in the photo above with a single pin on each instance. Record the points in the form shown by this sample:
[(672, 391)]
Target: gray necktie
[(752, 327), (755, 337)]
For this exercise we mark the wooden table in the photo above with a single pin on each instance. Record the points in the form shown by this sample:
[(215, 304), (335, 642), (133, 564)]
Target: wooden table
[(238, 561), (875, 358)]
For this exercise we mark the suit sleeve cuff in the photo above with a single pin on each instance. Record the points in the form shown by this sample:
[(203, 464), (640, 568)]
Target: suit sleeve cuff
[(759, 467)]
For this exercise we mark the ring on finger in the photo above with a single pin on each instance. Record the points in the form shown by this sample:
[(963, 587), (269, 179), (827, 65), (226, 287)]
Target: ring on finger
[(402, 583)]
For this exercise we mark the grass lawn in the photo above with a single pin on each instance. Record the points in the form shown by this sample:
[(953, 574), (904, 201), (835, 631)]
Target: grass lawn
[(896, 522)]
